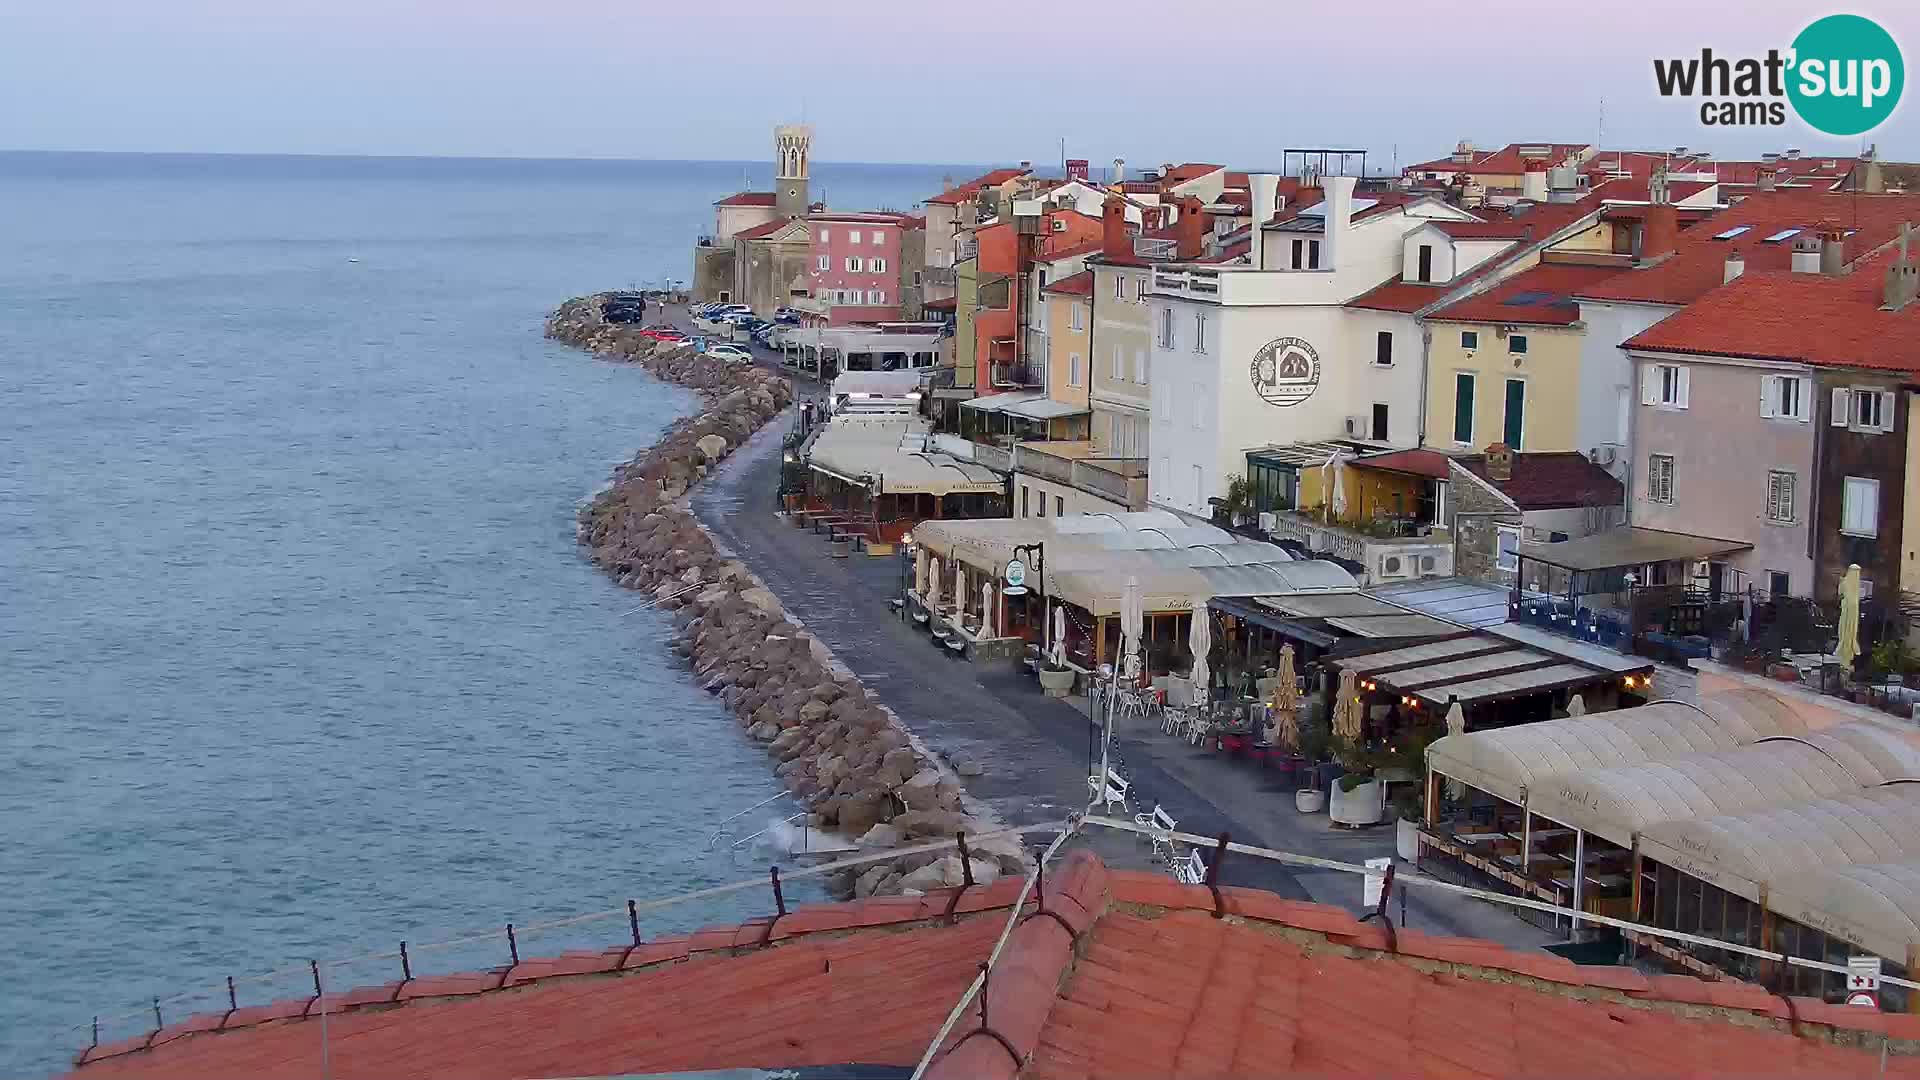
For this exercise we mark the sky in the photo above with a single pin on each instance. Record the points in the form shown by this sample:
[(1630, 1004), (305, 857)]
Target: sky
[(910, 81)]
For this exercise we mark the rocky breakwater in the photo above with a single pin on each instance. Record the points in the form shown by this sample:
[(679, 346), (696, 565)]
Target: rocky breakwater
[(852, 761)]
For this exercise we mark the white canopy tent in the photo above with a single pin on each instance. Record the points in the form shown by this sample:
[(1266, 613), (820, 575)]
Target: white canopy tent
[(1875, 906), (889, 457)]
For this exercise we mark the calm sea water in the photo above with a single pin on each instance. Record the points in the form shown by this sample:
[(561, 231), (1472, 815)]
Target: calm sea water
[(298, 657)]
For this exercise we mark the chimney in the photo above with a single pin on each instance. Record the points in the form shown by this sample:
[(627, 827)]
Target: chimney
[(1337, 203), (1806, 253), (1658, 191), (1533, 182), (1766, 179), (1736, 265), (1660, 233), (1113, 228), (1026, 166), (1119, 170), (1903, 277), (1190, 230), (1499, 461), (1833, 252), (1077, 169), (1263, 190), (1463, 152)]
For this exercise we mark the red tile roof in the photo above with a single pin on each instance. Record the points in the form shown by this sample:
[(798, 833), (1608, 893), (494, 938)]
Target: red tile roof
[(1699, 263), (965, 191), (1541, 296), (1804, 318), (864, 217), (1084, 248), (1126, 974), (1080, 284), (1505, 228), (764, 229), (1505, 161), (1140, 187), (1431, 463), (1192, 170), (748, 198), (1551, 481), (1402, 296)]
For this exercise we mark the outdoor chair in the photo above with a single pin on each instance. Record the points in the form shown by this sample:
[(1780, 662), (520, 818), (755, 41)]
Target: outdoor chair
[(1161, 827), (1115, 793), (1191, 870)]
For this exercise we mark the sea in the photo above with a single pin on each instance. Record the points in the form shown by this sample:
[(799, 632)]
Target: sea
[(299, 659)]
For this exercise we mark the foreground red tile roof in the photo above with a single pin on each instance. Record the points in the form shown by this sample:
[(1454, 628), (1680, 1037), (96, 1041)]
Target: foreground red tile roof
[(1802, 318), (748, 198), (1542, 296), (1080, 284), (1551, 481), (1430, 463), (1122, 975), (1192, 170), (965, 191), (1698, 265)]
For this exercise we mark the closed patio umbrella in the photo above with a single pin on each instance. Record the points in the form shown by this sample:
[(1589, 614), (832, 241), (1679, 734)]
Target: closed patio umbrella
[(933, 583), (1131, 618), (1849, 647), (1457, 725), (1059, 635), (920, 558), (1286, 702), (1346, 711), (959, 586), (1200, 641), (1576, 706), (986, 609)]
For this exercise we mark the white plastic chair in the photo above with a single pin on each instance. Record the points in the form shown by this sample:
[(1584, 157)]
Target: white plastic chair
[(1114, 794), (1161, 828)]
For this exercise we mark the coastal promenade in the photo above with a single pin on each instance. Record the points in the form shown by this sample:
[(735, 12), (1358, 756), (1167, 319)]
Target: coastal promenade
[(1031, 753)]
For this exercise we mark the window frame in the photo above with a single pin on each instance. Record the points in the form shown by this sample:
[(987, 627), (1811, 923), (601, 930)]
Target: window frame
[(1166, 337), (1383, 348), (1655, 493), (1470, 339), (1424, 264), (1076, 318), (1200, 333), (1073, 369), (1779, 481), (877, 265), (854, 264), (1847, 489), (1380, 422), (1313, 254), (1517, 345), (1773, 393), (853, 236), (1464, 405), (1506, 413), (1506, 559)]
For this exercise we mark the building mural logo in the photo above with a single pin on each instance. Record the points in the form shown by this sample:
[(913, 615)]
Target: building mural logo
[(1286, 371), (1842, 75)]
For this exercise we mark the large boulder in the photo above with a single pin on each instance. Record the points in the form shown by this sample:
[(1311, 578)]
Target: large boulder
[(884, 835), (923, 823), (860, 813), (921, 791), (712, 447)]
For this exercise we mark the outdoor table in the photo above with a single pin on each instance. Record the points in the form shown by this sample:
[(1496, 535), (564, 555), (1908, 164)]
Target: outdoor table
[(1480, 837)]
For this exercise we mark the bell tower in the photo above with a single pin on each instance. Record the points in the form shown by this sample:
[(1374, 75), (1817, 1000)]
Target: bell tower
[(792, 146)]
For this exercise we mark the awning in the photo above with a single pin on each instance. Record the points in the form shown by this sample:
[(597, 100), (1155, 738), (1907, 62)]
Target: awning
[(1741, 853), (888, 454), (1431, 464), (1177, 588), (878, 383), (1465, 602), (1510, 762), (1358, 615), (1618, 803), (1628, 547), (993, 403), (1875, 906), (1045, 408), (987, 544), (1473, 666)]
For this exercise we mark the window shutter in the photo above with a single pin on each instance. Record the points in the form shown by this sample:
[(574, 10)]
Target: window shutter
[(1842, 407), (1803, 399), (1886, 410), (1650, 384), (1680, 387), (1767, 392)]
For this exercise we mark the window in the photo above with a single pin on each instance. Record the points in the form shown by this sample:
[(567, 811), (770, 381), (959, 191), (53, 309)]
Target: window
[(1140, 366), (1781, 487), (1025, 491), (824, 234), (1785, 397), (1778, 583), (1073, 369), (1517, 344), (1426, 262), (821, 263), (1383, 349), (1863, 410), (916, 279), (1059, 506), (1166, 328), (1119, 286), (1379, 422), (1119, 363), (1660, 478), (1043, 504), (876, 296), (853, 264), (1297, 248), (1507, 551), (1516, 426), (1313, 254), (1860, 507), (1200, 332), (1076, 318), (877, 238), (853, 236), (1463, 407), (1469, 339), (1199, 486), (877, 265), (1665, 385)]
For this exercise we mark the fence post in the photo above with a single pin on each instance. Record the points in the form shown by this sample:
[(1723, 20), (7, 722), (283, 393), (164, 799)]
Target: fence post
[(633, 921), (314, 966), (96, 1032), (406, 964), (233, 1000), (779, 901), (157, 1022), (513, 946)]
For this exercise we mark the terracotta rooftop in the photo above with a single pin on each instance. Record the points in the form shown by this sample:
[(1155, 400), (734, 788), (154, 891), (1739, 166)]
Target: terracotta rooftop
[(764, 229), (1125, 974), (1192, 170), (1802, 318), (1541, 296), (1505, 161), (1430, 463), (966, 190), (1402, 296), (1551, 481), (1084, 248), (1080, 284), (748, 198), (1698, 265)]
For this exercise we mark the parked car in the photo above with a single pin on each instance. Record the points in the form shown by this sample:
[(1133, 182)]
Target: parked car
[(732, 353), (668, 334)]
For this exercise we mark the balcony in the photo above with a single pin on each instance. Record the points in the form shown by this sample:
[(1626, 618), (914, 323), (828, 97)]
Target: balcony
[(1382, 553), (938, 277), (1120, 480), (1015, 375)]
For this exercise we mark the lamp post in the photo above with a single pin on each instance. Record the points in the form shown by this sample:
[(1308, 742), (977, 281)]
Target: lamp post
[(1034, 556)]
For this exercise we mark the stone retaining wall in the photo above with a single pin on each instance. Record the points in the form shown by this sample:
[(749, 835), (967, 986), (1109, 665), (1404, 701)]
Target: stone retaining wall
[(848, 757)]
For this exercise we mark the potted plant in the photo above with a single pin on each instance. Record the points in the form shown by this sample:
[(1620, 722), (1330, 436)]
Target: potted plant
[(1313, 747), (1239, 499), (1356, 797), (1056, 680), (1406, 811)]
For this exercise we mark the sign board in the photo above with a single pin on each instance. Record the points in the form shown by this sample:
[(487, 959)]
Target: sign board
[(1016, 578), (1370, 896), (1863, 981)]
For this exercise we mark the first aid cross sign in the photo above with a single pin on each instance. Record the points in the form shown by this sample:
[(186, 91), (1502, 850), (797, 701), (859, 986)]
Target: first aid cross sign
[(1863, 981)]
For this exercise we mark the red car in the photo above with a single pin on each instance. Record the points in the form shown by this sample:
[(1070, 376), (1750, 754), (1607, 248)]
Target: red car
[(663, 334)]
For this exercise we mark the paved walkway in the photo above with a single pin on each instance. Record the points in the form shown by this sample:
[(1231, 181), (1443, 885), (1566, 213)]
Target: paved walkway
[(1035, 752)]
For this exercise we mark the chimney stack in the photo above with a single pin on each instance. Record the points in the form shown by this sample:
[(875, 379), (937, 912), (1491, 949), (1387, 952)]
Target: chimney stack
[(1113, 228), (1499, 461), (1806, 253), (1736, 265), (1903, 277), (1077, 169), (1337, 204), (1660, 232), (1766, 178), (1263, 191), (1119, 170), (1190, 230), (1833, 252)]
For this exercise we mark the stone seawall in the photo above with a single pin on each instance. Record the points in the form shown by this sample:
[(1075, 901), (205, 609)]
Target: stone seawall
[(852, 761)]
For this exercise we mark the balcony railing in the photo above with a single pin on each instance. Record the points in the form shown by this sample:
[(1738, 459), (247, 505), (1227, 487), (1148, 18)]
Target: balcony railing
[(1035, 461), (1124, 480), (1015, 375), (997, 458), (941, 277), (1384, 557)]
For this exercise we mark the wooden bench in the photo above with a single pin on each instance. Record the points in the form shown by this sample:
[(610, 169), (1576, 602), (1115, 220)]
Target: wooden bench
[(1163, 827)]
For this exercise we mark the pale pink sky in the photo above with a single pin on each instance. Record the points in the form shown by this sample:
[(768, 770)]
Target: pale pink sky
[(1234, 81)]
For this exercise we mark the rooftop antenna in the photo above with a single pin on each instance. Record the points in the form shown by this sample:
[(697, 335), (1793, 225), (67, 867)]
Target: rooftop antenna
[(1600, 136), (1063, 155)]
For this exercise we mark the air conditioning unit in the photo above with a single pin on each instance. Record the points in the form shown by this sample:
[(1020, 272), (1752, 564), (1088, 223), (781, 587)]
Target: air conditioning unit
[(1392, 566), (1359, 427), (1059, 224), (1427, 564), (1604, 455)]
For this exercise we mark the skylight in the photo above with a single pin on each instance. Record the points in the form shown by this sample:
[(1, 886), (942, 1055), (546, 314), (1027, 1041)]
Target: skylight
[(1731, 233), (1783, 234)]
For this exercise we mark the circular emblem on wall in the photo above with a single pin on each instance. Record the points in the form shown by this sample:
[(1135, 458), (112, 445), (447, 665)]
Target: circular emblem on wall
[(1286, 371)]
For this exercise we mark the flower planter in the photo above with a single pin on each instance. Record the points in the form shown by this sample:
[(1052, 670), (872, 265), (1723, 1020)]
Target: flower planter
[(1406, 839), (1056, 683), (1361, 806), (840, 549), (1309, 801)]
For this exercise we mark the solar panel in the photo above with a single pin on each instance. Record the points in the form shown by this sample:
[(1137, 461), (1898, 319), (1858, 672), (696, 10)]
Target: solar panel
[(1530, 296), (1783, 234), (1731, 233)]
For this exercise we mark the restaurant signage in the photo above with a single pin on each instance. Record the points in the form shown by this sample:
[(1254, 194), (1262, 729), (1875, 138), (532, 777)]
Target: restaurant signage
[(1016, 578)]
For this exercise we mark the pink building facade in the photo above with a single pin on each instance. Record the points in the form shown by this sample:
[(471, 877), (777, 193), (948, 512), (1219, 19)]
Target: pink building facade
[(854, 269)]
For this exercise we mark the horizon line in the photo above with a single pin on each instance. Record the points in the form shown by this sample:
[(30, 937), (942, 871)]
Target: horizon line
[(451, 157)]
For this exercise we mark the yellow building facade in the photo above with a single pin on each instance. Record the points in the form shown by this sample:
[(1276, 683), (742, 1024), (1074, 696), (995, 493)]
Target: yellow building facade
[(1480, 390), (1069, 336)]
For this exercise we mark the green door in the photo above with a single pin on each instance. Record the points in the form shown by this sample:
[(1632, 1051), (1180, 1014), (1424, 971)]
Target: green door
[(1516, 412)]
